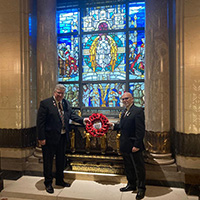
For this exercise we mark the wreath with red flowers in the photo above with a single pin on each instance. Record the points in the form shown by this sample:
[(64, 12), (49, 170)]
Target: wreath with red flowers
[(97, 118)]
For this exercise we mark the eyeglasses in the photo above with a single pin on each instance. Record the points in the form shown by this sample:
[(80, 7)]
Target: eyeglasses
[(62, 93), (126, 98)]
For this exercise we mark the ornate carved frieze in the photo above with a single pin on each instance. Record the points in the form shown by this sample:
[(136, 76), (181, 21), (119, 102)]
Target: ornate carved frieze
[(157, 142), (18, 138), (96, 163)]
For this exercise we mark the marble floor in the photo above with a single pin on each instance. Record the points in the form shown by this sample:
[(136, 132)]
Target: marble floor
[(32, 188)]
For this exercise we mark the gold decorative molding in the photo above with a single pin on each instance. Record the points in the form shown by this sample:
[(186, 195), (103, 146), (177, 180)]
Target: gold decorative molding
[(120, 115), (72, 138), (100, 168), (79, 113), (103, 157), (96, 163), (158, 148), (157, 142), (118, 143)]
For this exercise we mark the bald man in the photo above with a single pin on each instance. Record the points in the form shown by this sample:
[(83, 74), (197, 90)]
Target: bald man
[(132, 127)]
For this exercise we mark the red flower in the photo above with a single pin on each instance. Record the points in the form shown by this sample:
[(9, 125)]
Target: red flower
[(97, 117)]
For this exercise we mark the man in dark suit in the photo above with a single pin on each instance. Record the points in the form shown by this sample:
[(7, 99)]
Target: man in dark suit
[(53, 134), (132, 127)]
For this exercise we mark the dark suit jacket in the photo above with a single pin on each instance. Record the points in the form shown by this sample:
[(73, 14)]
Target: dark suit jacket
[(49, 123), (132, 129)]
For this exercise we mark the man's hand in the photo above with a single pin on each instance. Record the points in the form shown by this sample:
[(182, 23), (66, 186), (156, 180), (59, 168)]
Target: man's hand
[(42, 142), (111, 125), (135, 149), (85, 120)]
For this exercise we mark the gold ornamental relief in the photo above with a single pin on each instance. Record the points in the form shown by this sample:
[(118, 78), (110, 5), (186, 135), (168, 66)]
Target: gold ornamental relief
[(157, 142), (100, 168)]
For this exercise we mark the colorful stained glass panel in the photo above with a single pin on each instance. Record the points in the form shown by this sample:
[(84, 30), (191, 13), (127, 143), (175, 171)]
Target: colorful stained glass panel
[(72, 94), (68, 55), (102, 95), (137, 14), (111, 17), (137, 90), (67, 21), (136, 54), (104, 57)]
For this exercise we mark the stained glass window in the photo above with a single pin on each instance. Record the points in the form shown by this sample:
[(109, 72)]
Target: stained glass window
[(136, 54), (137, 90), (101, 53), (67, 21), (68, 55), (72, 94), (137, 14), (104, 57), (102, 94), (111, 17)]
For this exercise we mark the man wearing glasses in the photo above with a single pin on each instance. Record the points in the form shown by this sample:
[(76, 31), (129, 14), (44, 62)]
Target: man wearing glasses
[(132, 127)]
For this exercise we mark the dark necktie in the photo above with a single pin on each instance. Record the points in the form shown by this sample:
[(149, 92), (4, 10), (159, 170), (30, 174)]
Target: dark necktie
[(61, 113)]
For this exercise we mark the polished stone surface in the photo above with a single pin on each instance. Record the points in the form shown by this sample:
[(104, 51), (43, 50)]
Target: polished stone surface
[(29, 187), (157, 72)]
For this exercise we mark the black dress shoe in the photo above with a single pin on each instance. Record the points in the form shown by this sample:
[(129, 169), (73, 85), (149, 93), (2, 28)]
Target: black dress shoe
[(128, 188), (140, 194), (63, 184), (49, 189)]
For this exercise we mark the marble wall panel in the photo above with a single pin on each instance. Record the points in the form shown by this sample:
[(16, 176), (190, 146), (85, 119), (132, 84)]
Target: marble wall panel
[(18, 71), (192, 66), (188, 67), (192, 41), (10, 22), (192, 99), (9, 6), (192, 8), (10, 61), (10, 42)]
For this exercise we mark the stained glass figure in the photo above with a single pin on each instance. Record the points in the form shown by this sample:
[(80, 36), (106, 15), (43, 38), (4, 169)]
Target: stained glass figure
[(137, 90), (67, 21), (137, 14), (111, 17), (72, 94), (102, 95), (104, 57), (136, 54), (68, 54)]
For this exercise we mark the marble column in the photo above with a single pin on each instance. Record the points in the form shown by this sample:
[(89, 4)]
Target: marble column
[(46, 52), (187, 115), (157, 91), (46, 48), (17, 82)]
